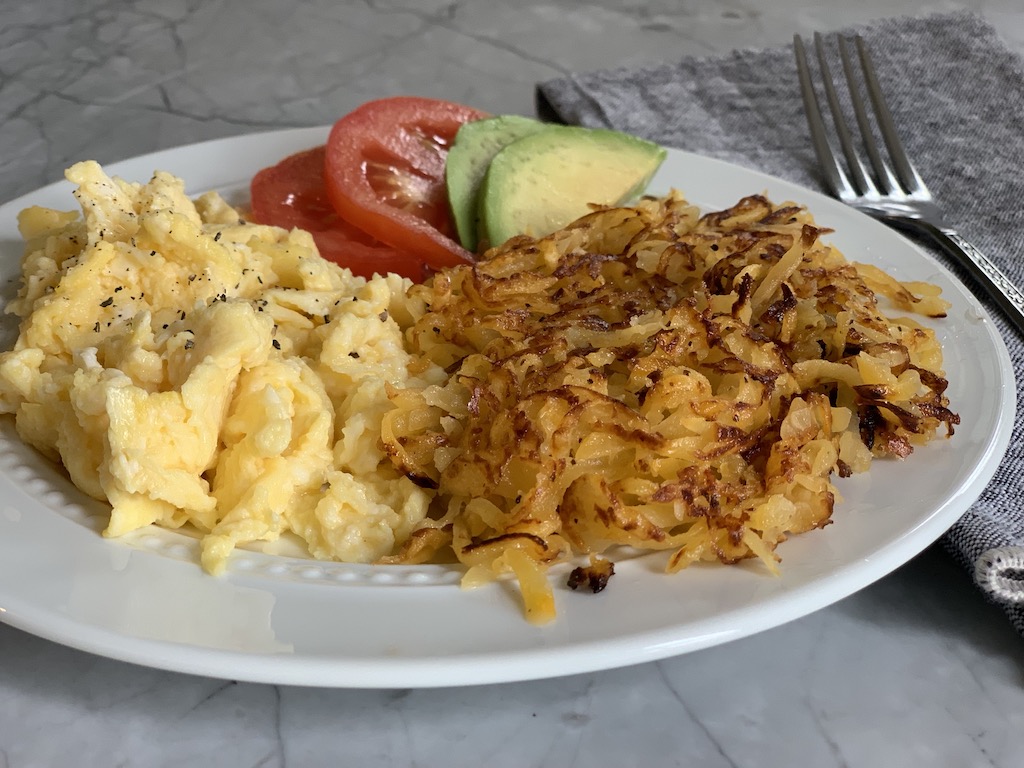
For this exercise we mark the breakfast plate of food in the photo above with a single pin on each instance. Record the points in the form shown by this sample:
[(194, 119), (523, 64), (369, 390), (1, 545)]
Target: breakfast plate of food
[(263, 422)]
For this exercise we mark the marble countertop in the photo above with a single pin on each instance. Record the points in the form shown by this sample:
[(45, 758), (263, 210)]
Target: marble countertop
[(915, 670)]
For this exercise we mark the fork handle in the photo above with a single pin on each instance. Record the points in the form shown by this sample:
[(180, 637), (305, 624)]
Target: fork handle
[(998, 286)]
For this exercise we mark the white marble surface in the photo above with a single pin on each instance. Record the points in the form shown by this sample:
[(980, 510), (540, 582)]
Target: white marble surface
[(916, 670)]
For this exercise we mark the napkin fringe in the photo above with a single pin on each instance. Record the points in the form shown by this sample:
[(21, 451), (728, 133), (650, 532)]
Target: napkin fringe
[(1000, 572)]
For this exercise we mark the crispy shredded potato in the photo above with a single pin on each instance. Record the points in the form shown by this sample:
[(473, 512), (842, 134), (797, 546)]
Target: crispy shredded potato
[(656, 379)]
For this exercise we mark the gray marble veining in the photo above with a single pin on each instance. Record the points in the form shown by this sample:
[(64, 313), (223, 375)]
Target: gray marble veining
[(915, 670)]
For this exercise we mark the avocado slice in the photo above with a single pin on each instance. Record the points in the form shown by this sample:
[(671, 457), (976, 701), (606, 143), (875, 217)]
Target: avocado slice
[(546, 180), (475, 144)]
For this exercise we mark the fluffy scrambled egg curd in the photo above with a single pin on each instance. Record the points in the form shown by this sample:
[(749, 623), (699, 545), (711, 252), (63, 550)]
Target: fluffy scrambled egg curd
[(191, 368)]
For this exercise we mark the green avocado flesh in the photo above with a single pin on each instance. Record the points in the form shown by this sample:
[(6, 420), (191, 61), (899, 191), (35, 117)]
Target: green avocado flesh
[(546, 180), (475, 145)]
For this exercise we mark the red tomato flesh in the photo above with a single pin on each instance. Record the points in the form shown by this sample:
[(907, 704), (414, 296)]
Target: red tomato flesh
[(384, 172), (292, 194)]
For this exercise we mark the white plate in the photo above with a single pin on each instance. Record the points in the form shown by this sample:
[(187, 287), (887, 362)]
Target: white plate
[(294, 621)]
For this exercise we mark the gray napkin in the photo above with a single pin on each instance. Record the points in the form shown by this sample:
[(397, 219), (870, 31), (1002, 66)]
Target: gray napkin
[(957, 94)]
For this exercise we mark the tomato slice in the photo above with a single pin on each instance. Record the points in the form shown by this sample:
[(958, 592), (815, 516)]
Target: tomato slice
[(385, 174), (293, 194)]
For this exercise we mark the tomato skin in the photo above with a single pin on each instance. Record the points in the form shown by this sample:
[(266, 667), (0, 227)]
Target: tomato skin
[(384, 172), (292, 194)]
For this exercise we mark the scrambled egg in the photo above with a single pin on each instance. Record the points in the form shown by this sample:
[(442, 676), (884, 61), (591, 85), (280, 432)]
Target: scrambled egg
[(191, 368)]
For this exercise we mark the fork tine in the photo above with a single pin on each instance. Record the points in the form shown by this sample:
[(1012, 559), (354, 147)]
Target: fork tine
[(904, 168), (884, 174), (834, 176), (855, 165)]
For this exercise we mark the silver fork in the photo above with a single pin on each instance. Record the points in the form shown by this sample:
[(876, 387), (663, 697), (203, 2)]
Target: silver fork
[(892, 193)]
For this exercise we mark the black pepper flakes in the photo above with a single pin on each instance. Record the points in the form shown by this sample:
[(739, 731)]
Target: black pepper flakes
[(354, 355), (108, 302), (383, 316), (276, 343), (189, 343), (216, 237)]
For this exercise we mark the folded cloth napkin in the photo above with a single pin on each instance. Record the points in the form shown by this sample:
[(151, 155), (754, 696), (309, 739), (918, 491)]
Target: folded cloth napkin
[(957, 94)]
